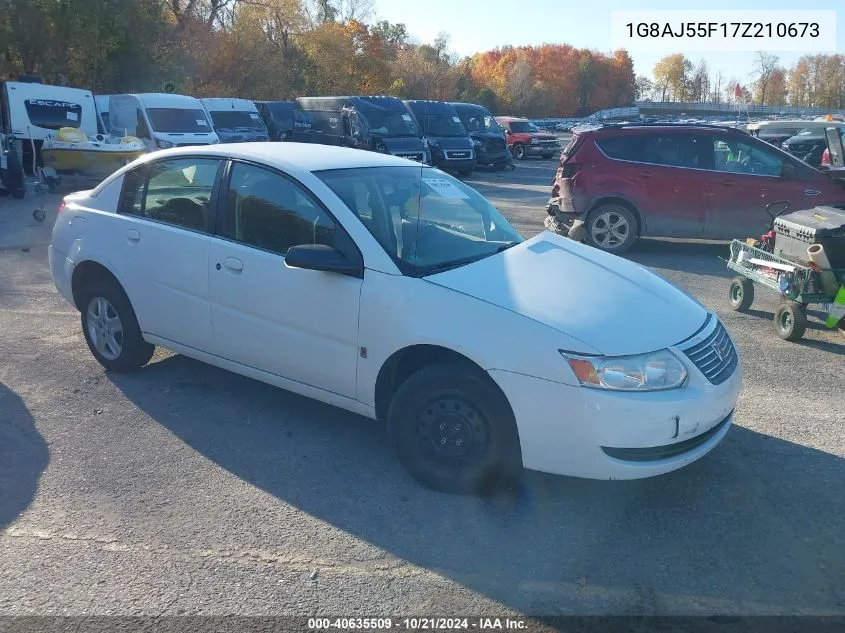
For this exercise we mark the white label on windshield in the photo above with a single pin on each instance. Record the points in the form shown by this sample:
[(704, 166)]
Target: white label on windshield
[(407, 117), (456, 119), (253, 115), (445, 189), (201, 122), (72, 116)]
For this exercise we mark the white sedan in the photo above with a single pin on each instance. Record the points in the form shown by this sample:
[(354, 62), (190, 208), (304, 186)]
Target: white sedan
[(398, 292)]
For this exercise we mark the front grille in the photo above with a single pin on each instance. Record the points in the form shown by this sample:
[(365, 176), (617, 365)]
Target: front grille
[(417, 156), (656, 453), (495, 144), (715, 356), (546, 142)]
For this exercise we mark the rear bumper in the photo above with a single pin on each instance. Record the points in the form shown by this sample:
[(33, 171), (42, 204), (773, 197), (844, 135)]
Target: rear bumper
[(61, 269)]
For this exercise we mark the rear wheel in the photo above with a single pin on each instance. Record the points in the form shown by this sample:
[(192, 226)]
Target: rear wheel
[(453, 431), (741, 294), (612, 228), (111, 329), (790, 320)]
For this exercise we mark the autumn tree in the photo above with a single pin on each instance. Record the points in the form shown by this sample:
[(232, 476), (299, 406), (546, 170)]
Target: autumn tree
[(670, 75), (764, 65)]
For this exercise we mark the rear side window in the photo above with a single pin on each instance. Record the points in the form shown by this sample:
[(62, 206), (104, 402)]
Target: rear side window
[(618, 147), (53, 115), (176, 192)]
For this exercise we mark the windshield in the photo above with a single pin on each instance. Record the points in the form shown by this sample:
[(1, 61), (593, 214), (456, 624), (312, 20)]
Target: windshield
[(390, 123), (479, 120), (180, 120), (424, 219), (442, 125), (237, 120), (523, 126)]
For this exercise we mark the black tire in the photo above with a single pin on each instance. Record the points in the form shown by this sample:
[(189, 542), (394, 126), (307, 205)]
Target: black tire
[(614, 221), (476, 455), (790, 320), (134, 352), (741, 294), (518, 151), (841, 327)]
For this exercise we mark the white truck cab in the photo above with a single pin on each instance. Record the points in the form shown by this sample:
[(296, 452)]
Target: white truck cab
[(161, 120), (235, 120)]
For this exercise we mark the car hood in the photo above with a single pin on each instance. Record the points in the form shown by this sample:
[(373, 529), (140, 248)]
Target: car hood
[(612, 305)]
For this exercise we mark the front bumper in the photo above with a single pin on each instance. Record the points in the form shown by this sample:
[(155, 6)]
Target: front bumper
[(541, 150), (501, 158), (597, 434), (454, 164)]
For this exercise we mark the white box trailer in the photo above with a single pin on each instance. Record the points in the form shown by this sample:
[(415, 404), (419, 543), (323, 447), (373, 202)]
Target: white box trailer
[(161, 120)]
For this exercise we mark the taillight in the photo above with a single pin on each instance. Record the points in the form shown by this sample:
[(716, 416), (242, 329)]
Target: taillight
[(61, 207), (826, 157), (570, 170)]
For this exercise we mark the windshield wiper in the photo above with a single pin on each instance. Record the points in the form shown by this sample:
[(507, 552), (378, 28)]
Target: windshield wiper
[(449, 265), (506, 246)]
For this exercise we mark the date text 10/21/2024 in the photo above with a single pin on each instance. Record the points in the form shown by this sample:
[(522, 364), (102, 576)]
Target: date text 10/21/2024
[(415, 624)]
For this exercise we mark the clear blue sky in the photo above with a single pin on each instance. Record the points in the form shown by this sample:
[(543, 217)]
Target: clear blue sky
[(478, 25)]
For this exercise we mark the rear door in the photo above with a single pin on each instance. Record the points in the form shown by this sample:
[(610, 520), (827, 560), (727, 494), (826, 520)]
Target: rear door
[(168, 210), (659, 173)]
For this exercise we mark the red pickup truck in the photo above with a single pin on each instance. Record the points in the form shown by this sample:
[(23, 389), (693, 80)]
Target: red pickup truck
[(525, 139)]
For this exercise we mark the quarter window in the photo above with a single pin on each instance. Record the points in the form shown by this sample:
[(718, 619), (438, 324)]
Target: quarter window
[(177, 192), (270, 212)]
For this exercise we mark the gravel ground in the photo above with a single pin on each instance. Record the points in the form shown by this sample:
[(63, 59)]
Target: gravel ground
[(187, 490)]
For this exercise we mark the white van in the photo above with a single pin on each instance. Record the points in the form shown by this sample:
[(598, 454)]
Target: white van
[(235, 120), (161, 120)]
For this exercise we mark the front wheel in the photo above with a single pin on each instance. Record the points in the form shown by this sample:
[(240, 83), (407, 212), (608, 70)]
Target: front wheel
[(111, 328), (611, 228), (519, 151), (453, 431), (790, 320), (741, 294)]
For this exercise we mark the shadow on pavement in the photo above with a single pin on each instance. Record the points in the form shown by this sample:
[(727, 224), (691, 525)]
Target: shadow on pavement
[(23, 456), (757, 526)]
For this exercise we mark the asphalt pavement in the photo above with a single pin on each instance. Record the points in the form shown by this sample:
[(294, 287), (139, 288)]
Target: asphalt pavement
[(183, 489)]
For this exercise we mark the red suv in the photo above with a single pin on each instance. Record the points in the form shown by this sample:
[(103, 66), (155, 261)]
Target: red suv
[(525, 139), (691, 181)]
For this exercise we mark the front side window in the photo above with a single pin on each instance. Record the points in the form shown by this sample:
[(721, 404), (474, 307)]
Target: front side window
[(270, 212), (52, 115), (176, 192), (737, 157), (426, 220), (178, 120)]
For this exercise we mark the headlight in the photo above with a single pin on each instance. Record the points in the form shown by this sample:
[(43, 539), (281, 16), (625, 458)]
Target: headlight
[(163, 144), (433, 144), (476, 142), (643, 372), (534, 140)]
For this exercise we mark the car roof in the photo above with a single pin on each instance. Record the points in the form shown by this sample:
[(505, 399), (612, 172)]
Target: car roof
[(510, 118), (658, 127), (291, 157)]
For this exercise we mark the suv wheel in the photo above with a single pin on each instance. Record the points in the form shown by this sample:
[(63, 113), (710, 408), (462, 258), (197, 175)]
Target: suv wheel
[(519, 151), (611, 228)]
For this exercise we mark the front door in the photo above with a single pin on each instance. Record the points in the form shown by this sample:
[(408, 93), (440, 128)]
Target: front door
[(746, 178), (295, 323), (163, 247)]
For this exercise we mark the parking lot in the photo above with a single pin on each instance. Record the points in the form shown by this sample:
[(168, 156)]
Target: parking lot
[(183, 489)]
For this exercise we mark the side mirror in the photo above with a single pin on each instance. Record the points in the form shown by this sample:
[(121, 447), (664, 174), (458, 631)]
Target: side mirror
[(323, 258), (788, 172), (508, 132)]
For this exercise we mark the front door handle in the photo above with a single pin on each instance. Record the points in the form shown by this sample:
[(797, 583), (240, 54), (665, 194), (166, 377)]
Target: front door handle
[(812, 192), (132, 235), (233, 264)]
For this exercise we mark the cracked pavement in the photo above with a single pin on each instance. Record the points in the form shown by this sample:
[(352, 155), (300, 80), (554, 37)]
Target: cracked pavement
[(187, 490)]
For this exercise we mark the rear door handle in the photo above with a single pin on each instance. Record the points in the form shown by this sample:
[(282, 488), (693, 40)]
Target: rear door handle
[(132, 235), (233, 264), (811, 192)]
